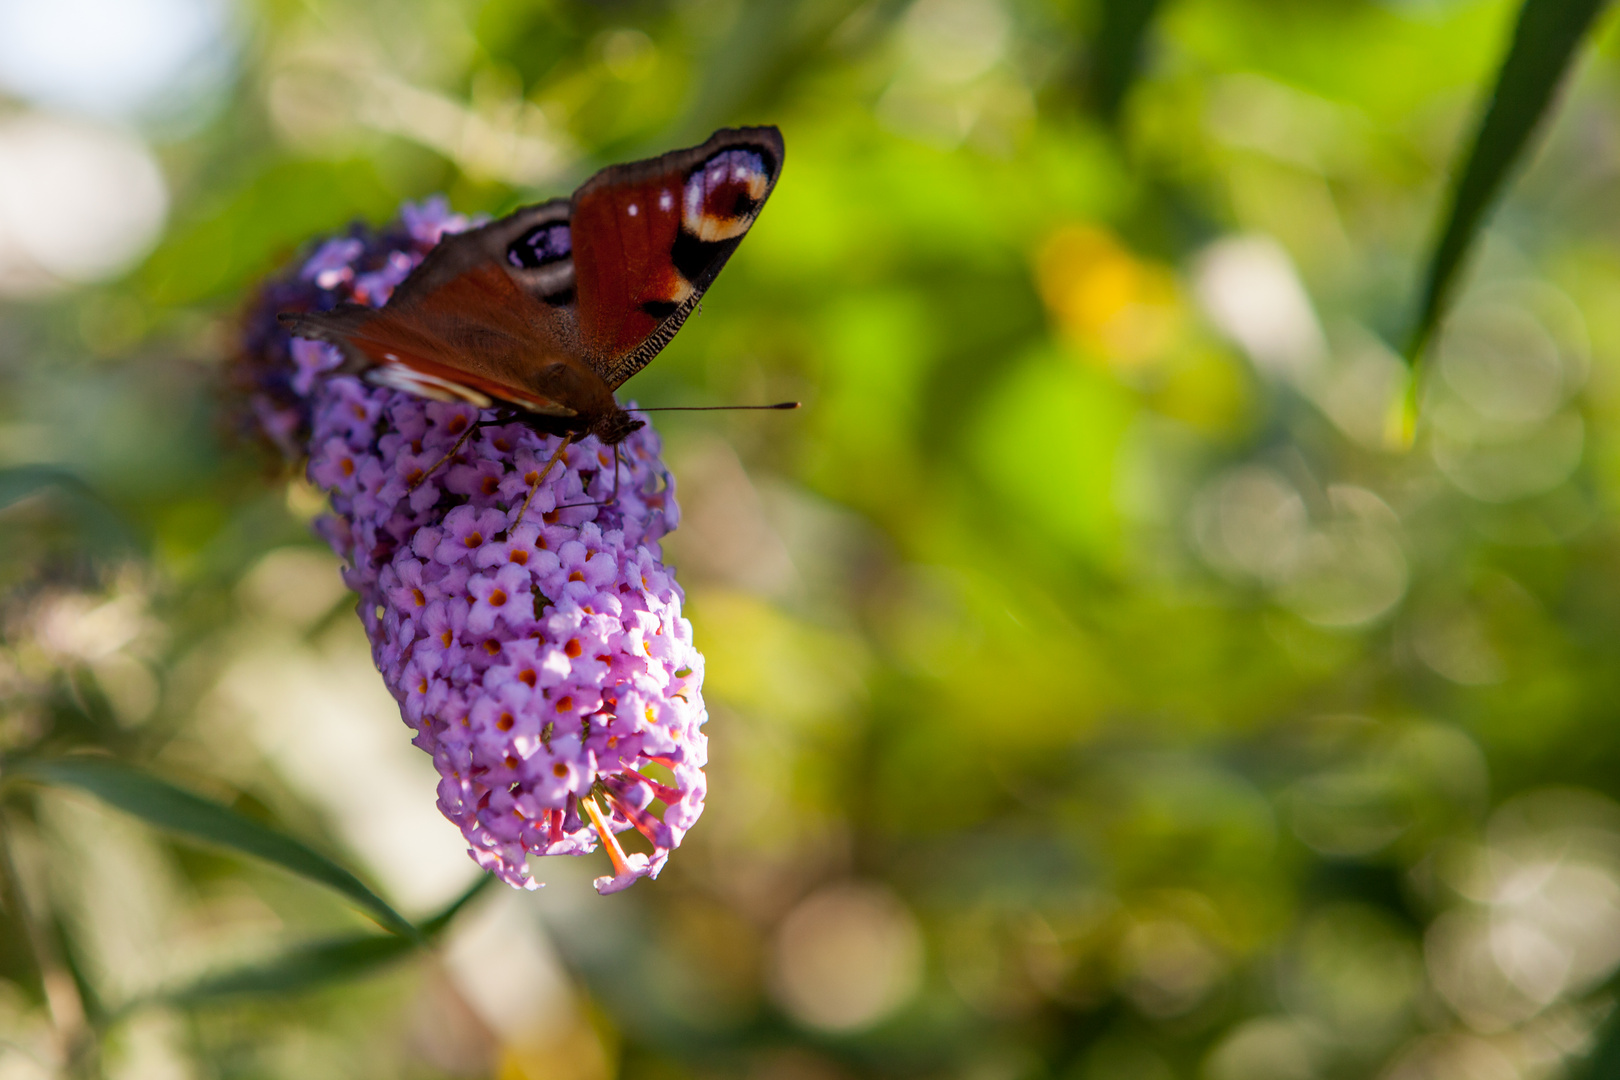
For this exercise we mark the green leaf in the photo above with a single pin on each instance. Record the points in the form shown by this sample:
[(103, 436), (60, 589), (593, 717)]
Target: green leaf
[(1116, 54), (165, 806), (95, 517), (303, 968), (434, 925), (316, 964), (1544, 44), (17, 483)]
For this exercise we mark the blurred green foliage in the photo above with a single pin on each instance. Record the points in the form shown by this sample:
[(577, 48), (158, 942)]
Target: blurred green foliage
[(1110, 678)]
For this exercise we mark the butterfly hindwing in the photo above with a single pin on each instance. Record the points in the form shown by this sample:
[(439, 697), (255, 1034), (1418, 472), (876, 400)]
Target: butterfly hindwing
[(488, 313), (649, 237)]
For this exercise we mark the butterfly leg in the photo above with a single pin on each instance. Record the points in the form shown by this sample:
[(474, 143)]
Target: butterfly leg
[(613, 497), (456, 449), (534, 487)]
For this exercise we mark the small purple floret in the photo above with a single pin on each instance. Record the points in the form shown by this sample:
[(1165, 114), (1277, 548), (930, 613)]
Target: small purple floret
[(538, 654)]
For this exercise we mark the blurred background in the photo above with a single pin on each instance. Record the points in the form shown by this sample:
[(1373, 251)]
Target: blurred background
[(1106, 683)]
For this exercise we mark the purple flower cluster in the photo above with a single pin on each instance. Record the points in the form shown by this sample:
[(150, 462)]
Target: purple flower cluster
[(535, 643)]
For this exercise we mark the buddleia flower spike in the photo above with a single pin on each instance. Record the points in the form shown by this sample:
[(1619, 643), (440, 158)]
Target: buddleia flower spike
[(535, 644)]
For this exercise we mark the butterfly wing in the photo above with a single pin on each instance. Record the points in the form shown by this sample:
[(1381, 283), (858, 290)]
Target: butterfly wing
[(488, 314), (649, 237), (555, 305)]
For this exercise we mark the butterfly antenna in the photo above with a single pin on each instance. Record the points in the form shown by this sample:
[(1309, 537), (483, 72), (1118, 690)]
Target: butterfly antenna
[(714, 408)]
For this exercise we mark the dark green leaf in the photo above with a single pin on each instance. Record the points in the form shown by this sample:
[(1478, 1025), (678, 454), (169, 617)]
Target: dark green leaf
[(303, 968), (160, 803), (318, 963), (94, 516), (1544, 44), (435, 925), (17, 483), (1116, 54)]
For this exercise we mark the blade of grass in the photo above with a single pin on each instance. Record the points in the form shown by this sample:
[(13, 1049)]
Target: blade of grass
[(176, 810), (1545, 41)]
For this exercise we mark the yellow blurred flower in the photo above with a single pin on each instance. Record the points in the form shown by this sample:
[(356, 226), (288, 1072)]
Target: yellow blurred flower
[(1112, 304)]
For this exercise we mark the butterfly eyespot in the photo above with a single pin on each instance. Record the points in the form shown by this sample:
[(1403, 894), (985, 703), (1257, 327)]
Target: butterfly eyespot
[(540, 246), (632, 210), (723, 193)]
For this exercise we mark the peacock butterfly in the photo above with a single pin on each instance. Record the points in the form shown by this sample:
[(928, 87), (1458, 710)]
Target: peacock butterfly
[(549, 309)]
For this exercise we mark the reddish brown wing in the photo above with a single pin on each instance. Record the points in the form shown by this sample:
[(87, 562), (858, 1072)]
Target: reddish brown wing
[(649, 237), (488, 314), (553, 306)]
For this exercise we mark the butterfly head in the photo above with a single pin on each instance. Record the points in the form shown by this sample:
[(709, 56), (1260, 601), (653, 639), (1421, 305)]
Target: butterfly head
[(616, 426)]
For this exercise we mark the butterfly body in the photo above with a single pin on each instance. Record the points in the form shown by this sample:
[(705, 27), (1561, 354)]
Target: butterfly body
[(547, 311)]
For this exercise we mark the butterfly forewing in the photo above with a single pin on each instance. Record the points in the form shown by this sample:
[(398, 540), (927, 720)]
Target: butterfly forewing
[(649, 238)]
